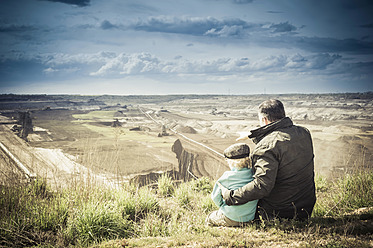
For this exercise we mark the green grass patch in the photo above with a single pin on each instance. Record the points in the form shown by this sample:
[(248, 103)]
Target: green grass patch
[(341, 196), (95, 222), (91, 215), (165, 186)]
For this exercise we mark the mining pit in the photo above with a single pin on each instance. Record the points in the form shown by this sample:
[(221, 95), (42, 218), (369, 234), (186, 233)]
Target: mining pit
[(116, 139)]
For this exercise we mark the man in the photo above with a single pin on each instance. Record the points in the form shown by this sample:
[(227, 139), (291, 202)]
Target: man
[(284, 168)]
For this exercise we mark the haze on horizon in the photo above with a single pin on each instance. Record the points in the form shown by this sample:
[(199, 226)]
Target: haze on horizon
[(185, 47)]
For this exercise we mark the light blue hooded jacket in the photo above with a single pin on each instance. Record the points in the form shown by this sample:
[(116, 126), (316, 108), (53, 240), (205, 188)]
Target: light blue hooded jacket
[(235, 179)]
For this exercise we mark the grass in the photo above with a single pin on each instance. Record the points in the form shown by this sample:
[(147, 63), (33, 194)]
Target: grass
[(353, 191), (170, 215)]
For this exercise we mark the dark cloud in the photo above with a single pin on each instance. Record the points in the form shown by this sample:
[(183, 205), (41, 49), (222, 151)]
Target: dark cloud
[(365, 37), (360, 68), (321, 61), (242, 1), (274, 12), (16, 28), (20, 68), (283, 27), (41, 67), (297, 62), (24, 68), (146, 64), (370, 25), (141, 8), (107, 25), (356, 4), (80, 3), (85, 26), (317, 44), (194, 25)]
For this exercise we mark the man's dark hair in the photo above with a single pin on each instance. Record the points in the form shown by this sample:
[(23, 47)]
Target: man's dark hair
[(273, 109)]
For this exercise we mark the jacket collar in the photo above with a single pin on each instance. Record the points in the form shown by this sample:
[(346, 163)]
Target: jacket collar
[(259, 133)]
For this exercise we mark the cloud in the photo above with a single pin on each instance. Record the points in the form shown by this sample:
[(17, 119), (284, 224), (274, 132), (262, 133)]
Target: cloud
[(357, 4), (193, 25), (282, 35), (49, 70), (80, 3), (129, 64), (16, 28), (321, 61), (312, 62), (242, 1), (58, 66), (318, 44), (207, 26), (86, 26), (274, 12), (283, 27), (316, 63), (369, 25), (239, 1), (108, 65), (107, 25), (226, 31), (20, 67), (312, 44), (144, 63)]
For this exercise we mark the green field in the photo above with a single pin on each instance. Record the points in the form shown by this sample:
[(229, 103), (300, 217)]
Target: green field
[(170, 215)]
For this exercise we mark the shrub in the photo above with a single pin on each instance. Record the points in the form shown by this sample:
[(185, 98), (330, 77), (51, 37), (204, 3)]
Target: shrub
[(355, 191), (153, 225), (146, 202), (135, 205), (184, 195), (95, 222), (203, 185), (352, 191), (126, 204), (207, 204), (31, 214), (165, 186)]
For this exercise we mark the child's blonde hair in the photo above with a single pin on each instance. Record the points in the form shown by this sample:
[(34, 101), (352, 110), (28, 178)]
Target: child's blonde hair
[(239, 163)]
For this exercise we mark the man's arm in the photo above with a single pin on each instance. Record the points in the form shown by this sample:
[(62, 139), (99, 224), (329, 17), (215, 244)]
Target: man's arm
[(266, 166), (216, 194)]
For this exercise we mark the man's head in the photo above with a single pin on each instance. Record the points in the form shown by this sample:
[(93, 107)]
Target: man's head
[(270, 111), (238, 155)]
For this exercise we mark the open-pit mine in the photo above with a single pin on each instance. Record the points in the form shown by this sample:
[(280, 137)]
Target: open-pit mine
[(116, 139)]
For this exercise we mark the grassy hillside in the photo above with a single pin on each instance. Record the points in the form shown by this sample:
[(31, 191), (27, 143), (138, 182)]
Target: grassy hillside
[(170, 215)]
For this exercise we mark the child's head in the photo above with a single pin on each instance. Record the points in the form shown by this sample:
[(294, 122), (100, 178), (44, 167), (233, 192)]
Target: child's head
[(238, 155)]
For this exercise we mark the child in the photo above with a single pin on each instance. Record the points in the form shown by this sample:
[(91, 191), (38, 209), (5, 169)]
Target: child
[(239, 162)]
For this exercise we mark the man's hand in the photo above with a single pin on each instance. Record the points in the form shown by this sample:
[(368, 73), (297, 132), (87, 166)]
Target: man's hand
[(224, 191), (243, 135)]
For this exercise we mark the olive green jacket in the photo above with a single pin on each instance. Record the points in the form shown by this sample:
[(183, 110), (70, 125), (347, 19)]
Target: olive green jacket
[(284, 172)]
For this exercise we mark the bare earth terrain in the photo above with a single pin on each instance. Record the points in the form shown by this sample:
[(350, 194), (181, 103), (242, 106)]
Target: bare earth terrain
[(115, 138)]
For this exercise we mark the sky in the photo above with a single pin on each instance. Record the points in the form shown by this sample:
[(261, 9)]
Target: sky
[(127, 47)]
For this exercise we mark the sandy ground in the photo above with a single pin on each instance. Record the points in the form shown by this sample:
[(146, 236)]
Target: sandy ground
[(68, 145), (339, 145), (54, 165)]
